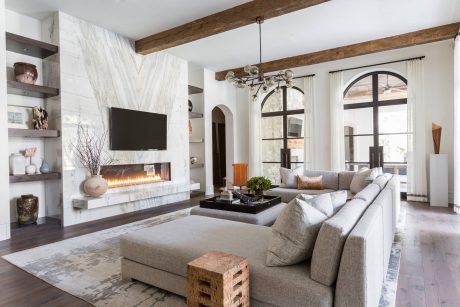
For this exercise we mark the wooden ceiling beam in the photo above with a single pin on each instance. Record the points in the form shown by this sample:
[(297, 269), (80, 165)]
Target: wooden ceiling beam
[(236, 17), (393, 42)]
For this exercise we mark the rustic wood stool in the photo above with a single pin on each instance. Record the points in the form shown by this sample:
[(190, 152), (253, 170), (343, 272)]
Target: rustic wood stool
[(218, 279)]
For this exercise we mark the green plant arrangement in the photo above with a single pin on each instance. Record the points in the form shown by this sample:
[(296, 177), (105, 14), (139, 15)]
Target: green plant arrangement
[(259, 184)]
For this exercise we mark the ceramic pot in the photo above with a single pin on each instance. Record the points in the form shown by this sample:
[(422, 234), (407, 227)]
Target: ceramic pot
[(45, 168), (31, 169), (27, 207), (17, 164), (95, 186), (25, 72), (193, 160), (190, 106)]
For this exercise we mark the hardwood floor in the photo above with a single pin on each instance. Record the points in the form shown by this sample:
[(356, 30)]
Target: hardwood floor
[(429, 275), (430, 261)]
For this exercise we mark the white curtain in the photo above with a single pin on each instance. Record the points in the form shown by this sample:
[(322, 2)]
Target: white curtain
[(457, 125), (337, 131), (417, 128), (255, 136), (309, 125)]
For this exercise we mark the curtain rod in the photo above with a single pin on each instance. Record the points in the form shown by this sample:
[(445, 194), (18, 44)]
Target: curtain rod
[(391, 62), (312, 75)]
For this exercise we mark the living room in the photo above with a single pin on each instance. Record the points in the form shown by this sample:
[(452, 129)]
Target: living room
[(282, 153)]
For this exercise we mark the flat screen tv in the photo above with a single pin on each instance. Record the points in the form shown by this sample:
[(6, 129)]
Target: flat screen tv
[(136, 130)]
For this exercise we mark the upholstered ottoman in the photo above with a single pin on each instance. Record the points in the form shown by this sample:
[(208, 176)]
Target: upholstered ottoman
[(264, 218)]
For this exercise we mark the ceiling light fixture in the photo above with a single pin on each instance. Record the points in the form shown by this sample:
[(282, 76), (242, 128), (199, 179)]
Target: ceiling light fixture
[(256, 79)]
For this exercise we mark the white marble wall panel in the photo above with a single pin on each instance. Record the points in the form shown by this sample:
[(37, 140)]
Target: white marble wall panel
[(99, 70)]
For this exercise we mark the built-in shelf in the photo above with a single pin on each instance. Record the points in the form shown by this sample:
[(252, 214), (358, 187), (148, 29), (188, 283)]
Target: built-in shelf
[(195, 115), (196, 140), (31, 133), (31, 90), (194, 90), (197, 165), (31, 47), (34, 177)]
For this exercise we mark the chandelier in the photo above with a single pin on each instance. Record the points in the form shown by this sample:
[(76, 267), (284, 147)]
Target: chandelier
[(255, 79)]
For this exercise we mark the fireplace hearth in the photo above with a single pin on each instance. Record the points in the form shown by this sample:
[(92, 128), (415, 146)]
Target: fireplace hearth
[(126, 175)]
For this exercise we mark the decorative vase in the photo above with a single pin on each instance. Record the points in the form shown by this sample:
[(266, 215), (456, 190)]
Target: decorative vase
[(436, 132), (193, 160), (190, 106), (25, 72), (95, 186), (31, 169), (17, 164), (27, 207), (45, 168)]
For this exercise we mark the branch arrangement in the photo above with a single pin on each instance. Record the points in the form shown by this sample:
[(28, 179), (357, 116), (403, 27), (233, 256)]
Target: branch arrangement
[(89, 149)]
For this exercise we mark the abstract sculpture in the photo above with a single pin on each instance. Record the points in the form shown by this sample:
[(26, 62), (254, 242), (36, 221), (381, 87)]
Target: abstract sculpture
[(436, 131), (40, 118)]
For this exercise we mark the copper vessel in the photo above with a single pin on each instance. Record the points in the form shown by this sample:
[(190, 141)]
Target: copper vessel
[(25, 72), (27, 206)]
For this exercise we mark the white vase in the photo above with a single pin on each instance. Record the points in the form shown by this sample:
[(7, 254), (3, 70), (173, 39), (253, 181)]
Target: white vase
[(17, 164), (95, 186), (31, 169)]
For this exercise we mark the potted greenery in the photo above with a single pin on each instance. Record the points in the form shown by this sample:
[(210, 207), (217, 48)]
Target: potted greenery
[(259, 185)]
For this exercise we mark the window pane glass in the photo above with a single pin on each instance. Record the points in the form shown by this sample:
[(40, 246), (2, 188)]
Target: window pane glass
[(272, 127), (361, 91), (357, 148), (359, 121), (296, 147), (294, 99), (295, 126), (274, 102), (393, 119), (271, 150), (272, 172), (397, 169), (394, 147), (391, 87)]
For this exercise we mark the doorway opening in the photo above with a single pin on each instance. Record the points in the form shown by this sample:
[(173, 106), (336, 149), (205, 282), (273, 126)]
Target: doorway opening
[(219, 158)]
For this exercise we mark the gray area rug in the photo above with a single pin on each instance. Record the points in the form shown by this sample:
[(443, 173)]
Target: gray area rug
[(89, 267)]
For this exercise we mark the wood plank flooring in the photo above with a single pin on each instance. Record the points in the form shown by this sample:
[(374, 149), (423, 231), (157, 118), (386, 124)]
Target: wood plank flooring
[(429, 275)]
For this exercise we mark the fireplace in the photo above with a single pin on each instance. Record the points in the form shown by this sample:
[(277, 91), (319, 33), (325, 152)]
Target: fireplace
[(134, 174)]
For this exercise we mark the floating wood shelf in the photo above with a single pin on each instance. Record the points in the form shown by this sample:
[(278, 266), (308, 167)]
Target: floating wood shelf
[(194, 90), (31, 47), (23, 89), (34, 177), (31, 133), (197, 165), (195, 115), (196, 140)]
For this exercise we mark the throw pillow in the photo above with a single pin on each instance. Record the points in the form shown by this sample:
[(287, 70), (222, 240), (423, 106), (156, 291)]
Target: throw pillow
[(289, 177), (309, 183), (339, 199), (294, 234), (321, 202), (362, 178)]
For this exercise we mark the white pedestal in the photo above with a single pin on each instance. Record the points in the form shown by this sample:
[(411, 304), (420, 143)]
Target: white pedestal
[(439, 193)]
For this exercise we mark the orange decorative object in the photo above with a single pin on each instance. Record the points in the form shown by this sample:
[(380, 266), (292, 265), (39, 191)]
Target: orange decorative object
[(436, 131), (240, 174)]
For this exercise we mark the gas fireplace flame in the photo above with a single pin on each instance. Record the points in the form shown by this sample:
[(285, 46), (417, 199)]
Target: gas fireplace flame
[(124, 182)]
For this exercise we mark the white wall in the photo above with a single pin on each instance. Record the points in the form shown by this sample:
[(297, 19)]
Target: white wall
[(4, 168), (438, 78)]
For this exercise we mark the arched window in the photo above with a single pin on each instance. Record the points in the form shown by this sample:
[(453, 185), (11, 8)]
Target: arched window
[(375, 119), (282, 131)]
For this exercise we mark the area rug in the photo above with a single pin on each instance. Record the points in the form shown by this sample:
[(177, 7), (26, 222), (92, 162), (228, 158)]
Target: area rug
[(88, 267)]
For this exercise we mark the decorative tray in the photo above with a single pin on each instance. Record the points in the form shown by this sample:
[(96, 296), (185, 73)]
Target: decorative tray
[(262, 204)]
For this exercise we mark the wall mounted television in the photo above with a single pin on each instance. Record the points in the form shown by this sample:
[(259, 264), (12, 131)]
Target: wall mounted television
[(137, 130)]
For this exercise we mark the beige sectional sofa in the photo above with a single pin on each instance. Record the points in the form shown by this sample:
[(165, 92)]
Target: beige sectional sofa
[(348, 265)]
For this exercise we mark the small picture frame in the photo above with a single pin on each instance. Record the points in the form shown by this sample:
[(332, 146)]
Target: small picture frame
[(19, 117)]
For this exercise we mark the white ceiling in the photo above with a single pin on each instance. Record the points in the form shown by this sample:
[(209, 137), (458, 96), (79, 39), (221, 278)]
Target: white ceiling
[(328, 25)]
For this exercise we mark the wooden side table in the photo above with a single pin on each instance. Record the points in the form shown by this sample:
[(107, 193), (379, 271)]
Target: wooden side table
[(218, 279)]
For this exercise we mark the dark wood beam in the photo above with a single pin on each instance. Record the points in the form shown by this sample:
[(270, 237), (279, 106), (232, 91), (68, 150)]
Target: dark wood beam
[(393, 42), (236, 17)]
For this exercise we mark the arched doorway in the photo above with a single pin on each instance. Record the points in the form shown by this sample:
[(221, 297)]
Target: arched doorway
[(219, 147), (375, 120)]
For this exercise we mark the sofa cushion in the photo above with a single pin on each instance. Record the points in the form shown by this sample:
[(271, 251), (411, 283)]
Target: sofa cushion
[(381, 181), (369, 193), (321, 202), (331, 238), (330, 179), (362, 178), (289, 177), (345, 179), (294, 233), (170, 246), (289, 194), (339, 199), (309, 183)]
